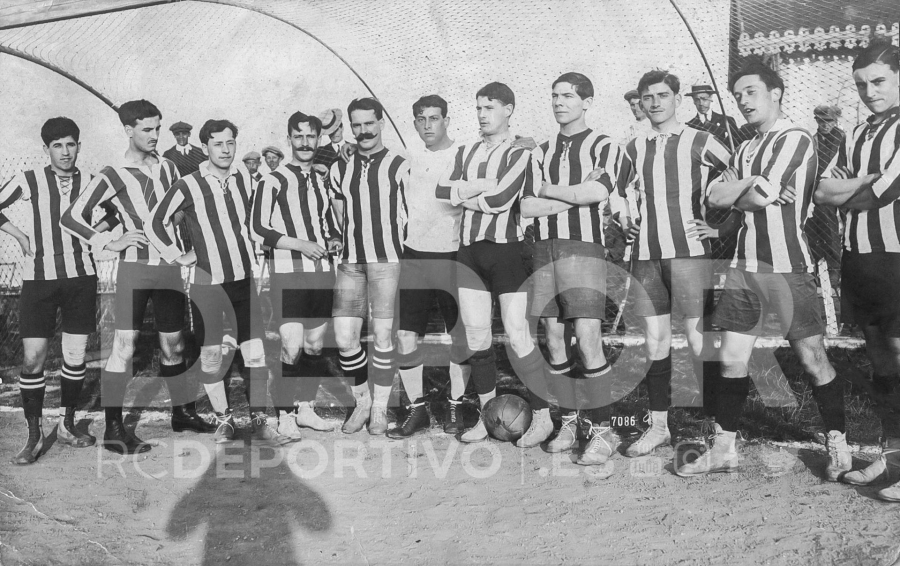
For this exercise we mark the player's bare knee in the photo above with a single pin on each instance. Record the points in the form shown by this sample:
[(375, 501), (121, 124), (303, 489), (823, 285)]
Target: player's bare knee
[(73, 348), (123, 346), (290, 352), (521, 343), (407, 342), (254, 353), (171, 349), (478, 338), (211, 358), (33, 363)]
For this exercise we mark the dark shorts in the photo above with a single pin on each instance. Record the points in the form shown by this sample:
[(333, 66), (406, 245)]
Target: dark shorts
[(680, 285), (218, 301), (149, 282), (497, 268), (302, 297), (562, 268), (749, 297), (75, 297), (427, 278), (870, 290)]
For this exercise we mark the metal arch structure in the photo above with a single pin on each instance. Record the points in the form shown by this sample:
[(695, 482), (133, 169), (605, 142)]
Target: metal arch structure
[(51, 67), (74, 13)]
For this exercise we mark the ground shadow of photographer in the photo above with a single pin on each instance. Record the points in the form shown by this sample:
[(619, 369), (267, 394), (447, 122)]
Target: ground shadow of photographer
[(253, 505)]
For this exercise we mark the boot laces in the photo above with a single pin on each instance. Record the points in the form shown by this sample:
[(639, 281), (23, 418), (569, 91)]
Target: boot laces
[(708, 431), (648, 418), (412, 412), (597, 441), (569, 422), (453, 410)]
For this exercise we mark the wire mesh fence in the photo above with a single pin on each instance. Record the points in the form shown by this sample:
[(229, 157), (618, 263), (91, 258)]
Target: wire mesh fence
[(443, 50)]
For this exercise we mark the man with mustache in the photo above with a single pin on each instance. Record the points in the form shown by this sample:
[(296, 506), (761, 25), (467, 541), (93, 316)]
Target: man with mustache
[(371, 188), (292, 215)]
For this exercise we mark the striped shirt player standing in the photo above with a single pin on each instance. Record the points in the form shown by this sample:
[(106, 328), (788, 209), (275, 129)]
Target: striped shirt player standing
[(572, 176), (133, 187), (59, 274), (215, 202), (662, 178), (864, 180), (487, 179), (771, 178), (372, 203), (292, 216)]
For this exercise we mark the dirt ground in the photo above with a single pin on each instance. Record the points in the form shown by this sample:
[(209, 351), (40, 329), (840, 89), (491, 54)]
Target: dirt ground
[(339, 499)]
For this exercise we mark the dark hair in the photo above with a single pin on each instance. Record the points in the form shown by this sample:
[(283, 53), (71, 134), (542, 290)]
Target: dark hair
[(430, 101), (367, 103), (766, 74), (214, 127), (878, 52), (298, 118), (580, 83), (134, 110), (497, 91), (59, 128), (658, 76)]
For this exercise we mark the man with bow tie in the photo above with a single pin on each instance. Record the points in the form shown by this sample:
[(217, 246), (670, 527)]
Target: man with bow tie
[(723, 127)]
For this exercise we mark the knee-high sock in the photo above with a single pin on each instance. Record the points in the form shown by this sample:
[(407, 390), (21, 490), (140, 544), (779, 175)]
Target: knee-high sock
[(180, 390), (731, 396), (484, 371), (355, 366), (886, 390), (70, 384), (830, 399), (659, 384), (708, 372), (283, 388), (383, 366), (113, 385), (412, 367), (313, 367), (31, 389), (530, 369), (255, 382), (561, 382), (594, 393)]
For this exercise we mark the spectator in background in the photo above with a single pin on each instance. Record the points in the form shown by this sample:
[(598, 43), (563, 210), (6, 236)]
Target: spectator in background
[(333, 127), (823, 230), (723, 127), (273, 156), (641, 124), (252, 161), (186, 157)]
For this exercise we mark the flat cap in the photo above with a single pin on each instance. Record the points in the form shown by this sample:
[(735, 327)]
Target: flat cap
[(272, 149), (180, 127), (631, 94), (827, 112), (251, 155)]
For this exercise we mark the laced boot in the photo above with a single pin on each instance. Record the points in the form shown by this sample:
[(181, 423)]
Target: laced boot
[(417, 420), (657, 434), (33, 446), (67, 434), (306, 417), (602, 444), (116, 438), (877, 470), (185, 417), (540, 429), (477, 433), (361, 412), (453, 424), (840, 460), (287, 425), (721, 456), (225, 427), (567, 435), (262, 433)]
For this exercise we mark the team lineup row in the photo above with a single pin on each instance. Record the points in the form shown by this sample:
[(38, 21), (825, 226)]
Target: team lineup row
[(343, 238)]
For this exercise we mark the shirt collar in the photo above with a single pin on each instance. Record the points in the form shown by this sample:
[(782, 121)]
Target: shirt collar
[(580, 135), (128, 163), (895, 111), (76, 172), (676, 131), (205, 172), (183, 149), (374, 157)]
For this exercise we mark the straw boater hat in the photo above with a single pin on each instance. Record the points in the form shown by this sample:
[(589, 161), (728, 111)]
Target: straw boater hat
[(701, 89), (331, 119)]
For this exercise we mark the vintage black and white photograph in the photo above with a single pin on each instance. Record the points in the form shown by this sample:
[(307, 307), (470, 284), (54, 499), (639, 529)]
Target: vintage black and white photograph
[(600, 282)]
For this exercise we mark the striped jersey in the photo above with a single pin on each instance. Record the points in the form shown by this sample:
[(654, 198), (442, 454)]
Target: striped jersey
[(289, 202), (566, 161), (373, 189), (771, 240), (217, 214), (873, 149), (663, 178), (133, 190), (498, 219), (46, 196)]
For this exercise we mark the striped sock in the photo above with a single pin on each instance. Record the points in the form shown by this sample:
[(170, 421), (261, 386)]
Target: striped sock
[(31, 388), (355, 366), (383, 366), (70, 384)]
